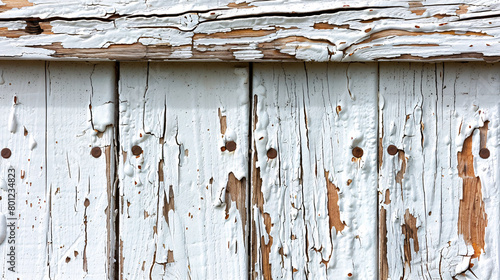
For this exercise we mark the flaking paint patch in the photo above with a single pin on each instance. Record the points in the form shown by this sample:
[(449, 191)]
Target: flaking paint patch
[(265, 248), (235, 192), (401, 173), (168, 204), (409, 230), (333, 205), (472, 217), (14, 4), (223, 123)]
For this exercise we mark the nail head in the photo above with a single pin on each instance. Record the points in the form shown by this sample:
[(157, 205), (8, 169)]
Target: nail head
[(96, 152), (231, 146), (357, 152), (136, 150), (272, 153), (6, 153), (484, 153), (392, 150)]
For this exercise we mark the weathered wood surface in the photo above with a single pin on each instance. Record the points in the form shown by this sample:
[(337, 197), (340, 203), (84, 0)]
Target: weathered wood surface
[(187, 207), (55, 115), (22, 131), (439, 199), (250, 30), (184, 141), (80, 170), (314, 186)]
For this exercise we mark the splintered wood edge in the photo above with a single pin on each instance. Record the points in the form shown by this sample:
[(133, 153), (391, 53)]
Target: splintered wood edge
[(251, 31)]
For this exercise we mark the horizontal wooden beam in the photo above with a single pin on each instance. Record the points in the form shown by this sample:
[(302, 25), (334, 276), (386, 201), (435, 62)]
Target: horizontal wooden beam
[(285, 30)]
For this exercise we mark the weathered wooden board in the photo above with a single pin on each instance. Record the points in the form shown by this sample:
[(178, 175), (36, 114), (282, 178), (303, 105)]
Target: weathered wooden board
[(314, 186), (24, 198), (439, 199), (183, 171), (314, 30), (80, 170)]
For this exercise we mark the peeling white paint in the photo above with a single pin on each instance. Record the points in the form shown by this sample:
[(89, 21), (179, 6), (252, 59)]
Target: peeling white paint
[(430, 109), (296, 114), (174, 193), (254, 30)]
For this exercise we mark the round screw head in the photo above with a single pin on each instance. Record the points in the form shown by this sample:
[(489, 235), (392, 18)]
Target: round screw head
[(96, 152), (357, 152), (484, 153), (231, 146), (272, 153), (392, 150), (6, 153), (136, 150)]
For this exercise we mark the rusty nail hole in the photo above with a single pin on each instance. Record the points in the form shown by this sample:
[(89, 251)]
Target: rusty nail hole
[(483, 153), (272, 153), (392, 150), (357, 152), (231, 146), (349, 274), (136, 150), (223, 149), (6, 153), (87, 202), (96, 152), (68, 259)]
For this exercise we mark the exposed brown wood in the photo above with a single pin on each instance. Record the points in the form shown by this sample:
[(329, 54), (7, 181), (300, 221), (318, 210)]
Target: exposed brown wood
[(387, 197), (383, 265), (472, 218), (265, 248), (325, 25), (239, 33), (333, 206), (409, 230), (401, 172), (235, 191), (14, 4), (396, 32), (168, 205), (170, 256), (223, 124)]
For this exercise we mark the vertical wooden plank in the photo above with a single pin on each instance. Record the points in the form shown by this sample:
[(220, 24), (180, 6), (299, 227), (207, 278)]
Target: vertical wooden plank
[(80, 169), (314, 186), (183, 169), (24, 208), (439, 199)]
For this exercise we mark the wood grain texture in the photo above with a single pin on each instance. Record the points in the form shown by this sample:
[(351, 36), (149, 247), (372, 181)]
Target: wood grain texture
[(22, 130), (314, 202), (80, 187), (183, 194), (282, 30), (439, 200)]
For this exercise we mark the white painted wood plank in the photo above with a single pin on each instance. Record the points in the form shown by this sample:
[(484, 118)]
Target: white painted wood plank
[(314, 203), (252, 30), (439, 200), (80, 119), (22, 131), (183, 192)]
